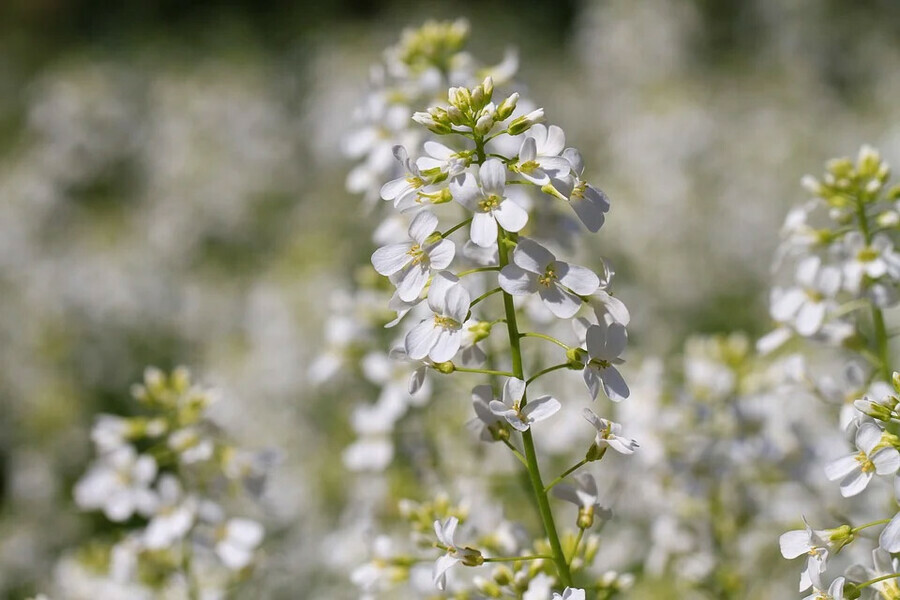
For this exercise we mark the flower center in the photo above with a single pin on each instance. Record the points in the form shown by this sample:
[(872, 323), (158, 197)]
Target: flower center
[(445, 322), (415, 182), (417, 253), (814, 295), (548, 277), (490, 203), (865, 463), (578, 191), (528, 166)]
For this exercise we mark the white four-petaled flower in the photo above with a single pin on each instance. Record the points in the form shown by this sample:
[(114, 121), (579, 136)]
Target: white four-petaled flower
[(522, 417), (857, 470), (439, 337), (485, 197), (608, 434), (605, 343), (559, 284)]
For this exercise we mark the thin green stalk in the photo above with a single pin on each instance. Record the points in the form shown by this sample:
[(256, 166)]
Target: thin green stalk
[(545, 337), (567, 472), (547, 370), (577, 543), (462, 274), (485, 295), (872, 524), (455, 227), (517, 558), (516, 452), (484, 371), (860, 586)]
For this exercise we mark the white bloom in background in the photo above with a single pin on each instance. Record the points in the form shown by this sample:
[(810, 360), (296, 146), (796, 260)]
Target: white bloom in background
[(485, 197), (119, 484), (440, 336), (369, 453), (809, 542), (605, 343), (589, 203), (191, 445), (857, 470), (569, 594), (409, 264), (539, 157), (608, 434), (559, 284), (174, 516), (511, 410), (585, 496), (804, 307), (874, 261), (236, 542)]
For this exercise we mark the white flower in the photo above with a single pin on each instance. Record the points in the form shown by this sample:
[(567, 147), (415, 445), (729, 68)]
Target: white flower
[(486, 198), (585, 496), (890, 535), (119, 484), (441, 160), (535, 269), (857, 470), (589, 203), (522, 418), (454, 555), (804, 307), (605, 304), (440, 336), (608, 434), (539, 157), (569, 594), (236, 541), (409, 264), (809, 542), (404, 190), (604, 345), (173, 518)]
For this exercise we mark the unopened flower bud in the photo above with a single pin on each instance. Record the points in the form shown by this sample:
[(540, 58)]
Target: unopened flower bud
[(595, 452), (524, 123), (487, 588), (471, 557), (576, 358), (585, 517), (484, 124), (488, 86), (445, 367), (507, 107), (502, 575)]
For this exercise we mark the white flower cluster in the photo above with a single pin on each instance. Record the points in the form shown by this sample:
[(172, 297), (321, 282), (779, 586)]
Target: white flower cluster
[(510, 192), (163, 478), (847, 273)]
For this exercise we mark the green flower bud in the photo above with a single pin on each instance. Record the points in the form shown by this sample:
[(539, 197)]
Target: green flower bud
[(488, 588), (471, 557), (576, 358), (446, 367), (502, 575), (595, 452), (507, 107), (585, 517)]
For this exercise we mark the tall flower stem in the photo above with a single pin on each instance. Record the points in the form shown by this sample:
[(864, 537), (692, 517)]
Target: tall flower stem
[(531, 462)]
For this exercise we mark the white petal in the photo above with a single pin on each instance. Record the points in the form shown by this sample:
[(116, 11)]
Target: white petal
[(867, 437), (517, 281), (855, 482), (420, 339), (394, 188), (794, 543), (438, 150), (388, 260), (511, 216), (574, 157), (591, 378), (562, 303), (513, 391), (233, 556), (456, 303), (890, 535), (445, 346), (423, 225), (613, 384), (531, 256), (786, 303), (528, 150), (441, 566), (810, 317), (412, 281), (465, 190), (246, 532), (555, 142), (566, 491), (886, 461), (542, 408), (580, 280), (441, 254), (840, 468), (493, 176), (483, 229), (595, 340), (616, 340), (416, 380)]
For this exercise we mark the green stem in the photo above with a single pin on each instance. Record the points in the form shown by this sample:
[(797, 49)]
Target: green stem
[(455, 227), (462, 274), (872, 524), (534, 472), (516, 452), (545, 337), (859, 586), (567, 472), (483, 371), (577, 543), (485, 295), (881, 337), (547, 370)]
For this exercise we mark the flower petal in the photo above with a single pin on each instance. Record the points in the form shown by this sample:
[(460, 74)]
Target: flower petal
[(389, 259), (532, 256), (580, 280), (561, 302), (511, 216), (517, 281), (542, 408), (483, 229), (423, 225)]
